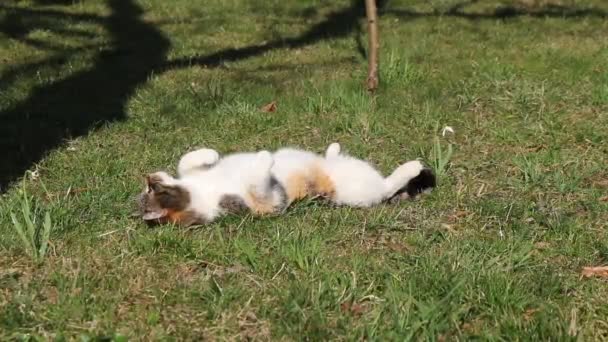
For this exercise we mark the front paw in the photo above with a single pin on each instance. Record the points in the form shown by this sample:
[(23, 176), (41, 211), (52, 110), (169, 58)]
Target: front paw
[(264, 161), (206, 156)]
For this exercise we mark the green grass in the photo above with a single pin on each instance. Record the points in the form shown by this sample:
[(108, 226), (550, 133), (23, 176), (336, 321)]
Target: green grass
[(94, 94)]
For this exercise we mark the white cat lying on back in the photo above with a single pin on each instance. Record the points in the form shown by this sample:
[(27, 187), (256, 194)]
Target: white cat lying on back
[(263, 183)]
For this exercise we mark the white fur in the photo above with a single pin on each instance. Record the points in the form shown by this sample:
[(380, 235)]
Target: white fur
[(359, 184), (208, 178)]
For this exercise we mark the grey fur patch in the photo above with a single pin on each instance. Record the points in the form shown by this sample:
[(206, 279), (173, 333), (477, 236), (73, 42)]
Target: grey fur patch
[(277, 187), (233, 204), (171, 197)]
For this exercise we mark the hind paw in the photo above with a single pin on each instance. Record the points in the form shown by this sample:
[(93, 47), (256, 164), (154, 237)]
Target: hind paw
[(333, 150)]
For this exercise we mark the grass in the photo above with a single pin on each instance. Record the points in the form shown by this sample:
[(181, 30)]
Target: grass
[(94, 94), (34, 236)]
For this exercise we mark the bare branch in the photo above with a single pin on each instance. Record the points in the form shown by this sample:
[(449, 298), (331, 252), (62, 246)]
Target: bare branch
[(372, 22)]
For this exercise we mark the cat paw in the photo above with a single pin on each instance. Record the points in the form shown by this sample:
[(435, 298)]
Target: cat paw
[(159, 177), (411, 169), (156, 179), (202, 158), (206, 156), (264, 160), (333, 150)]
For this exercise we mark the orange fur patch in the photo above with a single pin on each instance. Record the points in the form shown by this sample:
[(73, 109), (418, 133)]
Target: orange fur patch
[(297, 187), (258, 205), (315, 182), (174, 216), (181, 217), (322, 185)]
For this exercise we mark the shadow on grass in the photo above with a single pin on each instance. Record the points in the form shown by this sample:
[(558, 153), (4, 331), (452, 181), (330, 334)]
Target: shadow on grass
[(85, 100), (336, 25), (504, 12)]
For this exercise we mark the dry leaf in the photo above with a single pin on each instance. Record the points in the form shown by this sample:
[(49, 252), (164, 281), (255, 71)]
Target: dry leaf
[(604, 199), (457, 215), (572, 329), (535, 148), (270, 108), (602, 183), (600, 271), (397, 247), (353, 308), (10, 273), (52, 295), (542, 245), (449, 227), (529, 314)]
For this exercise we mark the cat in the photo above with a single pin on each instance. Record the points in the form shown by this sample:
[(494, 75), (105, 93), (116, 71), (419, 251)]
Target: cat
[(261, 183)]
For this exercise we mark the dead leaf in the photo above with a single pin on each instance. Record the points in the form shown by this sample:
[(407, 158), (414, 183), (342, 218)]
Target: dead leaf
[(52, 295), (270, 108), (599, 271), (252, 328), (535, 148), (572, 329), (529, 314), (542, 245), (602, 183), (10, 273), (353, 308), (457, 215), (449, 227), (467, 326), (397, 247), (604, 199)]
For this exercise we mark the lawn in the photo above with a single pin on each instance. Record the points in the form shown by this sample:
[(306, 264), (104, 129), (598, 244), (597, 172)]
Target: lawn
[(95, 94)]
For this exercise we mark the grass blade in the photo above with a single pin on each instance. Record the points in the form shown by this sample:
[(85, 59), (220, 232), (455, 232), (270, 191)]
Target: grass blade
[(19, 228), (46, 233), (27, 217)]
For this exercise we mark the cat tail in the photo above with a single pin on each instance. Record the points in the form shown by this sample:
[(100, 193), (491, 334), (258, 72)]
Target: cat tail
[(409, 180)]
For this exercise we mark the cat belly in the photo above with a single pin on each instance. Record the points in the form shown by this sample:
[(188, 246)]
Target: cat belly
[(301, 175), (306, 181)]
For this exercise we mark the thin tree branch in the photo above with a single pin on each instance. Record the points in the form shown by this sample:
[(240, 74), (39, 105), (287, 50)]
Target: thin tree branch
[(372, 23)]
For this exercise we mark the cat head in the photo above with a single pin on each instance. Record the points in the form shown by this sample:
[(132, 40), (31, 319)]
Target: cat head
[(164, 200)]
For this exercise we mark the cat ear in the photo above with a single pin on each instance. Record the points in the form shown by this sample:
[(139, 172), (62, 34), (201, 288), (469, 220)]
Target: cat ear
[(154, 183), (154, 215)]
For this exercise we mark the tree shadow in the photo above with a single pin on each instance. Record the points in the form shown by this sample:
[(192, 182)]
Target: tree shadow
[(337, 24), (85, 100), (503, 12)]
